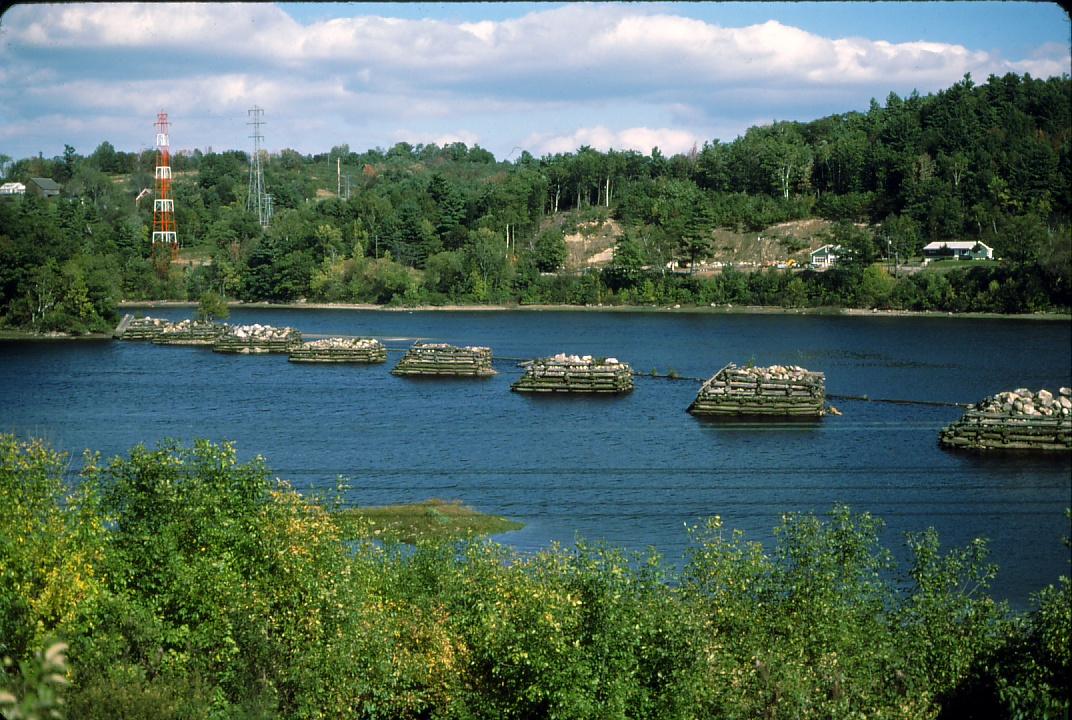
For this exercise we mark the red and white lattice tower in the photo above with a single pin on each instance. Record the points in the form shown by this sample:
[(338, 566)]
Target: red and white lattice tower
[(163, 204)]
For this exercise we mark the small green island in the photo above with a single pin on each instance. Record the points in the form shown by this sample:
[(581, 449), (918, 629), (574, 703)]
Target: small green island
[(431, 520)]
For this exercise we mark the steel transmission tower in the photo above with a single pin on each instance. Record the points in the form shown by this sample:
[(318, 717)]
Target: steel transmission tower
[(258, 201), (163, 205)]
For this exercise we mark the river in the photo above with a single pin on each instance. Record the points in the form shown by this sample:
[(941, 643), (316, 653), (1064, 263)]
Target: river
[(631, 470)]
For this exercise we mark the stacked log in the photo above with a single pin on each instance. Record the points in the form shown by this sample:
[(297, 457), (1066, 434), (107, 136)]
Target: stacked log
[(121, 328), (190, 332), (442, 359), (775, 391), (576, 374), (1014, 420), (340, 350), (145, 328), (247, 339)]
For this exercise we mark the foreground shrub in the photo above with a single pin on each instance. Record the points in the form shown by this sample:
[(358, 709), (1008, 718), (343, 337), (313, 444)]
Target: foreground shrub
[(53, 543), (190, 585)]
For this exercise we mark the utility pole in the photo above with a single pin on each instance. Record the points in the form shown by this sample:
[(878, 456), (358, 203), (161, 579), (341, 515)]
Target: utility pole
[(257, 200)]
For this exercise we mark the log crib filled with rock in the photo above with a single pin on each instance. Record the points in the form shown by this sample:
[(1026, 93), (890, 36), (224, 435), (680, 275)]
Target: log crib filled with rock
[(786, 391), (441, 359), (144, 328), (190, 332), (246, 339), (576, 374), (1014, 420), (340, 350)]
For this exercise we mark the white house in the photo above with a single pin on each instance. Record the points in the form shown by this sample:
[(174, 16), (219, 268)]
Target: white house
[(958, 250), (825, 257), (12, 188)]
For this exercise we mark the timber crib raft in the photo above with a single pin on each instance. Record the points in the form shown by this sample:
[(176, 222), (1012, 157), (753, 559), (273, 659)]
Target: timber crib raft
[(1014, 420), (340, 350), (441, 359), (250, 339), (144, 328), (190, 332), (775, 391), (574, 374)]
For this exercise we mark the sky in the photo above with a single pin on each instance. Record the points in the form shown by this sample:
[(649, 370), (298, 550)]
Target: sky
[(541, 77)]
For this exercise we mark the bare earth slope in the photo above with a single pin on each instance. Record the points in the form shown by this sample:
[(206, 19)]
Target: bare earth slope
[(591, 243)]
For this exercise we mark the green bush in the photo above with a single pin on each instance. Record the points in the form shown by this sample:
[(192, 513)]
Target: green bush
[(191, 585), (212, 306)]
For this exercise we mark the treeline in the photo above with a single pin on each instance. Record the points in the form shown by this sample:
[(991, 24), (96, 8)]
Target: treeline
[(184, 584), (428, 224)]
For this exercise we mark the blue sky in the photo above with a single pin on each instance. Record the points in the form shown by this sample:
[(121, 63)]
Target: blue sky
[(544, 77)]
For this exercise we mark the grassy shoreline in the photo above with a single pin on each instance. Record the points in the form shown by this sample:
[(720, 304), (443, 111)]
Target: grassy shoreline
[(684, 309), (435, 520)]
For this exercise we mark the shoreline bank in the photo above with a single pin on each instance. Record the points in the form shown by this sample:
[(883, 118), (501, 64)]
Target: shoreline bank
[(14, 334), (683, 309), (22, 335)]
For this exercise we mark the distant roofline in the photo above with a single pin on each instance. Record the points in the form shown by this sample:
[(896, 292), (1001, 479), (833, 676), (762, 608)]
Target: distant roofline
[(956, 245), (831, 246)]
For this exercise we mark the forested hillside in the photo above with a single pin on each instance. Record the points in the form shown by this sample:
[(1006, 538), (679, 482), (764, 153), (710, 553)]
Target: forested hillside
[(434, 225)]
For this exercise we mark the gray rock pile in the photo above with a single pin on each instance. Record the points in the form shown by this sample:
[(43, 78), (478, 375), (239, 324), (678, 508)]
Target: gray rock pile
[(257, 339), (340, 349), (1014, 420), (441, 359), (576, 374), (1028, 404), (774, 391)]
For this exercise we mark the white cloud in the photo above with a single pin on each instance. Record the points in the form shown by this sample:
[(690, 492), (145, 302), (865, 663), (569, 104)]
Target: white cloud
[(212, 27), (667, 79), (441, 139), (642, 139), (574, 43), (231, 93), (484, 30), (61, 127)]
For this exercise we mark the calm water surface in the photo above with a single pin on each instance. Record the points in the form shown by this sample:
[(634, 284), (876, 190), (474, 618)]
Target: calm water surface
[(630, 470)]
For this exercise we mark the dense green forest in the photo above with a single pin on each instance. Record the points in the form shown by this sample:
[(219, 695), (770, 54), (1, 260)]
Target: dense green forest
[(436, 225), (180, 583)]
